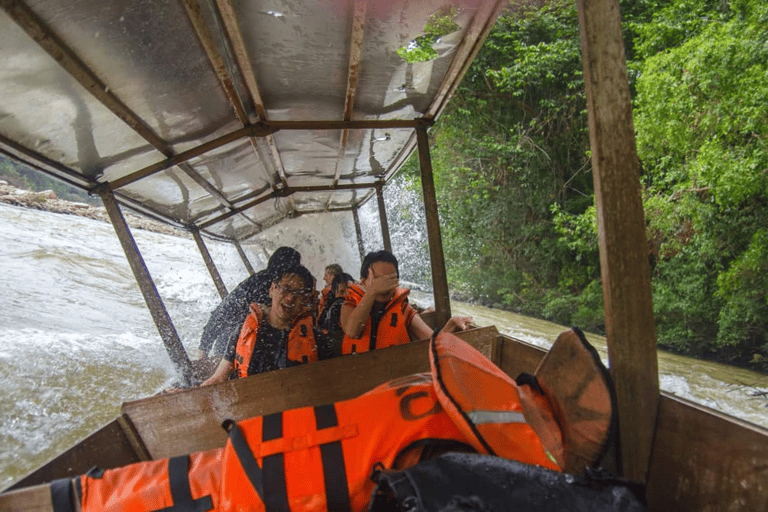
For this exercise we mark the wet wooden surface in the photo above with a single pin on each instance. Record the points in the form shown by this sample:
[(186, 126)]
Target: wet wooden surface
[(195, 423)]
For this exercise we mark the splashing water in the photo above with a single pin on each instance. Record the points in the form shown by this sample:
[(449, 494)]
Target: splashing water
[(76, 339)]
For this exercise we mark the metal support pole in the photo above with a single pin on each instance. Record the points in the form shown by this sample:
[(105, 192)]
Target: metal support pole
[(209, 262), (624, 264), (383, 217), (439, 276), (359, 233), (154, 303), (243, 257)]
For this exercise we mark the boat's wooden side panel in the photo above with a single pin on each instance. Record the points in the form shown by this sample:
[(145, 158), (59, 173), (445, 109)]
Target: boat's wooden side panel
[(704, 461), (29, 499), (194, 424), (109, 447), (516, 357)]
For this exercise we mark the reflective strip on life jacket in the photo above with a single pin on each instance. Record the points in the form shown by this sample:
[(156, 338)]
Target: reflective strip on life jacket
[(185, 483), (302, 347), (392, 328), (483, 417), (483, 402), (321, 458)]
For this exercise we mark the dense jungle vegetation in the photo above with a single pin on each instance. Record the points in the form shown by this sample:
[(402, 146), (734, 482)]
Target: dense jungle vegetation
[(513, 176)]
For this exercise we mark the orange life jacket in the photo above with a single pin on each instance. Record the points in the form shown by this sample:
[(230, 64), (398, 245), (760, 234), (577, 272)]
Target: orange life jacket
[(323, 299), (186, 483), (392, 328), (321, 458), (301, 340)]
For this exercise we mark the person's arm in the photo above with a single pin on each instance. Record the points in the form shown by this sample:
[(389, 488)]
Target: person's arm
[(419, 330), (221, 374), (456, 323), (353, 318)]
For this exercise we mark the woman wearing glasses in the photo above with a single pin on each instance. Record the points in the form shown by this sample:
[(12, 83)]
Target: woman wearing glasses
[(279, 336)]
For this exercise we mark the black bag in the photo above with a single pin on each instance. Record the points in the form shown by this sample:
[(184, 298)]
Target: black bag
[(456, 482)]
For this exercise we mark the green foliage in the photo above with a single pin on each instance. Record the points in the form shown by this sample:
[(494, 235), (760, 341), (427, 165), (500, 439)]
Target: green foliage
[(512, 144), (701, 119), (512, 169), (22, 176), (743, 319), (439, 24)]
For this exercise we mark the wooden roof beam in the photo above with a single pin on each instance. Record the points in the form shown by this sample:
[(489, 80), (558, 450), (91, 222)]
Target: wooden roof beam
[(474, 38), (229, 17), (215, 58), (285, 192), (67, 59), (226, 78), (355, 56), (261, 129)]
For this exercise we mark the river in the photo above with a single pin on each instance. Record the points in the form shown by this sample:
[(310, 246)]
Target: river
[(76, 339)]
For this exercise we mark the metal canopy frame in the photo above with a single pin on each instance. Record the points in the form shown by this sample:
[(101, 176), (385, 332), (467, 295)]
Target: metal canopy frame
[(305, 103)]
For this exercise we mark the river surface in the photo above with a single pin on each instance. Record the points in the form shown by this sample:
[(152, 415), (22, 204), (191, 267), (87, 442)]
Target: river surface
[(76, 339)]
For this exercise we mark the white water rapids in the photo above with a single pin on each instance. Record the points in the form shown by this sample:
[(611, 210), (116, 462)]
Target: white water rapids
[(76, 339)]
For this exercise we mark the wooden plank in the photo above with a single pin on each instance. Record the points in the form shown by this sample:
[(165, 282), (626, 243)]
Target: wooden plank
[(209, 264), (147, 286), (436, 256), (703, 460), (383, 218), (108, 447), (30, 499), (198, 413), (482, 339), (517, 356), (624, 266)]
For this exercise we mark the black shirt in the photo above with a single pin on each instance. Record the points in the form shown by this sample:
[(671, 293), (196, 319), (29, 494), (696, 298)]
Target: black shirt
[(227, 319)]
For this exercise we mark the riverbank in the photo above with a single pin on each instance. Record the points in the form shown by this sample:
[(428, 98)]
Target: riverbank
[(46, 200)]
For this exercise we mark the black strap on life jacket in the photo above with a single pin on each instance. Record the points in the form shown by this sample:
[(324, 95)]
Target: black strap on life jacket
[(269, 481), (272, 477), (332, 455), (61, 495), (181, 493), (276, 500)]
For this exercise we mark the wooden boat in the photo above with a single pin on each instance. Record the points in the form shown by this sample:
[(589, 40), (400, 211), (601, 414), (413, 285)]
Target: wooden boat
[(226, 118)]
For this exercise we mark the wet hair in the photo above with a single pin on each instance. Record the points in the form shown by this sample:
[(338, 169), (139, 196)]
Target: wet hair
[(376, 257), (283, 258), (334, 269), (341, 278), (299, 270)]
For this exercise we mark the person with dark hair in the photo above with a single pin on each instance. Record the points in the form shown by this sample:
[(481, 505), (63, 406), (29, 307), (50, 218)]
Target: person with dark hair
[(331, 271), (376, 313), (224, 324), (278, 336), (330, 318)]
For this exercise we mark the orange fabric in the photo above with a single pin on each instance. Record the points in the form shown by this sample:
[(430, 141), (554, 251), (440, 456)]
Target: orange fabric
[(484, 402), (392, 329), (373, 428), (301, 340), (323, 299), (543, 416), (578, 385), (145, 486)]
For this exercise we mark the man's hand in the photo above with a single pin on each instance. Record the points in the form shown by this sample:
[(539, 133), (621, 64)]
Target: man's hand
[(457, 323), (381, 284)]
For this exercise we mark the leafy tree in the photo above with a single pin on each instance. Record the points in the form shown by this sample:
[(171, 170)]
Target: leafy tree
[(512, 144), (701, 120)]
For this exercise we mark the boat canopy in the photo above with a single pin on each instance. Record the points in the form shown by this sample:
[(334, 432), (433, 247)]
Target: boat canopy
[(226, 117)]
